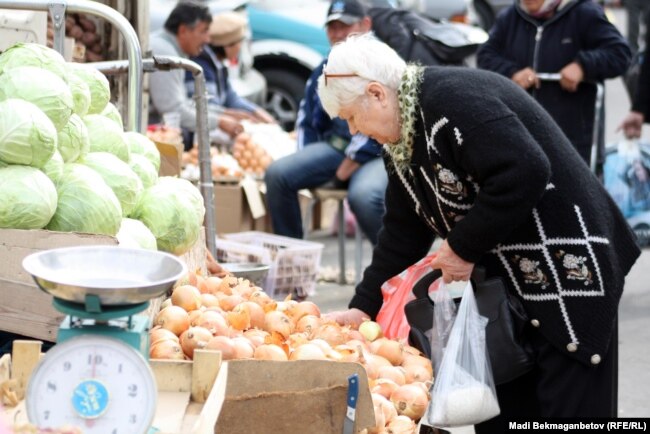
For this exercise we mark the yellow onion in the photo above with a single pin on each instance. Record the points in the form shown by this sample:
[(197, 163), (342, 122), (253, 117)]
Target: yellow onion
[(390, 350), (330, 333), (255, 312), (188, 297), (256, 336), (270, 352), (308, 324), (384, 387), (395, 373), (214, 322), (308, 352), (174, 319), (401, 425), (410, 400), (194, 338), (275, 321), (239, 318), (167, 349), (243, 348), (223, 344)]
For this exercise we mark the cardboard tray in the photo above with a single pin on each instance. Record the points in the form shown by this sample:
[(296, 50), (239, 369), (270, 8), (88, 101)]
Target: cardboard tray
[(27, 310)]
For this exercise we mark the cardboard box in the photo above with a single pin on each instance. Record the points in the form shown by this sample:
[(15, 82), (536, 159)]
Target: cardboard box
[(307, 396), (170, 158), (239, 207), (26, 309)]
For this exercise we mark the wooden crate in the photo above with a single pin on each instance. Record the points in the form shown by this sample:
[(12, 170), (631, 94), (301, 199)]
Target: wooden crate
[(205, 396)]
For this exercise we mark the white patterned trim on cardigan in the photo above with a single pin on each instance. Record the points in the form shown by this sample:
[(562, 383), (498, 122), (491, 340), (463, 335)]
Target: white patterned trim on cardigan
[(542, 247)]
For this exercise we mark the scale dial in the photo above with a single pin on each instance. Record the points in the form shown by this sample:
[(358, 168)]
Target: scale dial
[(93, 382)]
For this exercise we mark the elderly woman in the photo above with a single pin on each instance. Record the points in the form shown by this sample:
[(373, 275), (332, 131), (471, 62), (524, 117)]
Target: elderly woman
[(472, 158)]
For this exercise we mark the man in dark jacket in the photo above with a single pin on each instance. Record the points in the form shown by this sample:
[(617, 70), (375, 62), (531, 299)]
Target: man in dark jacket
[(572, 37)]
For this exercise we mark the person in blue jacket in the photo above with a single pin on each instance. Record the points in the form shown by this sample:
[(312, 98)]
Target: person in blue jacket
[(327, 152), (569, 37)]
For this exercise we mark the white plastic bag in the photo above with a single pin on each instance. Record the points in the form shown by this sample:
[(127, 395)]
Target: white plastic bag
[(463, 392), (444, 314)]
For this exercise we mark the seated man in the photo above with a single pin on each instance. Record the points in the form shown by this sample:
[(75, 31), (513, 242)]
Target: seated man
[(184, 34), (226, 34), (327, 151)]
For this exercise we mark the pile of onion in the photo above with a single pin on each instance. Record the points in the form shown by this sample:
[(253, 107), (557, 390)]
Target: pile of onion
[(241, 321)]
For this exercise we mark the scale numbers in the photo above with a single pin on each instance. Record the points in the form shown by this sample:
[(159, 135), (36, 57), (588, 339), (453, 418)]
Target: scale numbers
[(95, 383)]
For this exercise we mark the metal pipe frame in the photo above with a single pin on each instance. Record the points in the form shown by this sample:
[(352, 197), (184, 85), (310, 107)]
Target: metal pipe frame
[(166, 63), (134, 51)]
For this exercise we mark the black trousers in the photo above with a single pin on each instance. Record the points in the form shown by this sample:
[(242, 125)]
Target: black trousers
[(558, 386)]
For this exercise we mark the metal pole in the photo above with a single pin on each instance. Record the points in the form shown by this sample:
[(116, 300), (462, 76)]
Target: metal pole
[(134, 122), (165, 63)]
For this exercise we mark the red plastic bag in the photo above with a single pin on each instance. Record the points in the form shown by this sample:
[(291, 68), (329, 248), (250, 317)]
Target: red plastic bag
[(397, 291)]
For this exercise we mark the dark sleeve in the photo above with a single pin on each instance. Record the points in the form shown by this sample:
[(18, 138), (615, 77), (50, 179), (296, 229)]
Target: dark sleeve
[(403, 240), (492, 55), (307, 132), (512, 171), (606, 53), (641, 100)]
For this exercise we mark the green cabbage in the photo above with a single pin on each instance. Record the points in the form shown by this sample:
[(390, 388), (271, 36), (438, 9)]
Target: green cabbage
[(117, 174), (100, 90), (28, 54), (41, 87), (27, 198), (73, 140), (141, 144), (27, 136), (186, 189), (54, 168), (80, 94), (171, 218), (133, 233), (86, 203), (106, 136), (144, 169), (111, 112)]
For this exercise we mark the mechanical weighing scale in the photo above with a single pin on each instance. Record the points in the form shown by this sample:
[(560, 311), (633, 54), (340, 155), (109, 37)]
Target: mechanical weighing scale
[(97, 377)]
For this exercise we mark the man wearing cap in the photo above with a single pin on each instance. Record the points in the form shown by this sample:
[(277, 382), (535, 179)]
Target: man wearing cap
[(226, 33), (327, 152), (184, 34)]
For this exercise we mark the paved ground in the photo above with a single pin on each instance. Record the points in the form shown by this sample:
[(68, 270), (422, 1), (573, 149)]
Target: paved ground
[(634, 311)]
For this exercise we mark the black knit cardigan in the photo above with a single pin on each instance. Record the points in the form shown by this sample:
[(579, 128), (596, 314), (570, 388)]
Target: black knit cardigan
[(494, 175)]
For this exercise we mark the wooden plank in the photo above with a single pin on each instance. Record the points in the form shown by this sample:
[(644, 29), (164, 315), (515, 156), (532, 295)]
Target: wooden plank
[(204, 372), (172, 375), (24, 355), (5, 368), (206, 421)]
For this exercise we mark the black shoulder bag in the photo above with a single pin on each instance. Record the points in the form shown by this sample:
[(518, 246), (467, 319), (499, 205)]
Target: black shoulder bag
[(510, 357)]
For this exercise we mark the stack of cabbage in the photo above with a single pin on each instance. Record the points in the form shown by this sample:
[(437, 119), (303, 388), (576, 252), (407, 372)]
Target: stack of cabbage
[(66, 163)]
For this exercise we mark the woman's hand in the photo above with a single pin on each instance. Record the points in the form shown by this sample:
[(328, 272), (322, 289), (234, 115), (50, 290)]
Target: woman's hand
[(351, 317), (230, 125), (453, 267), (526, 78)]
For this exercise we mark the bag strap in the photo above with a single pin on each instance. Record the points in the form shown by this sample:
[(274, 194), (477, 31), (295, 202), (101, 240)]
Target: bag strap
[(422, 291)]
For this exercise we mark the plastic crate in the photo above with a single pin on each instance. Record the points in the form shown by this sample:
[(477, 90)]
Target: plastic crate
[(294, 263)]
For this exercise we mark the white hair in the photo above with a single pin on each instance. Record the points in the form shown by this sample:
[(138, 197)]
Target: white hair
[(366, 56)]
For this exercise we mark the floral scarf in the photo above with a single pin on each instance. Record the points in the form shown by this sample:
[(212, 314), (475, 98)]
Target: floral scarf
[(408, 92)]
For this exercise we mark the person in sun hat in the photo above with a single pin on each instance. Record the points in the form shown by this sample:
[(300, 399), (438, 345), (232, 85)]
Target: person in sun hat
[(328, 155), (227, 32)]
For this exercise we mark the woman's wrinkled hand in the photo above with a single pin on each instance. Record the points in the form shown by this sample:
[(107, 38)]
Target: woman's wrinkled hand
[(526, 78), (352, 317), (453, 267)]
